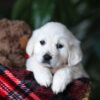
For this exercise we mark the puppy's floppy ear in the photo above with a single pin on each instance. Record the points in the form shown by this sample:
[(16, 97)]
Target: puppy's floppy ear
[(75, 53), (30, 44)]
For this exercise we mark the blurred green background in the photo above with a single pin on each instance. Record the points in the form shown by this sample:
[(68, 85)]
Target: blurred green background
[(82, 17)]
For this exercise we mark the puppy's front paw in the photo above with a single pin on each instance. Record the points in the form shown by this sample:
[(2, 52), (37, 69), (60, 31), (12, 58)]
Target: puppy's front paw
[(43, 77), (58, 85), (60, 82)]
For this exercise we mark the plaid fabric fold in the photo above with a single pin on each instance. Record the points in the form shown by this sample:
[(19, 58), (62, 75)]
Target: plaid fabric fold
[(11, 88), (20, 85)]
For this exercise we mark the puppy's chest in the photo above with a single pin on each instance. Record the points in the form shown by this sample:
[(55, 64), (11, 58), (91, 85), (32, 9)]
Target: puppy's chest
[(54, 70)]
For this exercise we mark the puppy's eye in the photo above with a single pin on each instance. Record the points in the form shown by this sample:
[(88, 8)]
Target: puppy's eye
[(59, 46), (42, 42)]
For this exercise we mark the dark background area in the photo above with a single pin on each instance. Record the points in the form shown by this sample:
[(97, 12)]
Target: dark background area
[(82, 17)]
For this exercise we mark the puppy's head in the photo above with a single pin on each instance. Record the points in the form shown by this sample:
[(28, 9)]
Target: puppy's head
[(53, 45)]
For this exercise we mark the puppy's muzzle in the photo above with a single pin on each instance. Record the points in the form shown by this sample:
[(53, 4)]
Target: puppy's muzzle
[(46, 58)]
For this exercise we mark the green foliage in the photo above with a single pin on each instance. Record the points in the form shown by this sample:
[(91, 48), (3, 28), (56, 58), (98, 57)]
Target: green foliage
[(35, 12), (22, 10), (42, 11)]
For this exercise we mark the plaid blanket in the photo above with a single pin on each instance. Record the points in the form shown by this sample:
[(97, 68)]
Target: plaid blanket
[(20, 85)]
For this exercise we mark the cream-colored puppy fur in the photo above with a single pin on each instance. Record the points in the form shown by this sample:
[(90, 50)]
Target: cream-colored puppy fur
[(63, 56)]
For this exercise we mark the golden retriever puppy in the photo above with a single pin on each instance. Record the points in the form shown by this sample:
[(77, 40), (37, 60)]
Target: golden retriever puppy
[(54, 56)]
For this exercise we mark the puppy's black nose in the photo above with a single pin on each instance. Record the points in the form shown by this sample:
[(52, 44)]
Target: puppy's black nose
[(47, 57)]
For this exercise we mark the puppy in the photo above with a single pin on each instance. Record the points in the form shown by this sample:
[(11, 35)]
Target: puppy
[(54, 56)]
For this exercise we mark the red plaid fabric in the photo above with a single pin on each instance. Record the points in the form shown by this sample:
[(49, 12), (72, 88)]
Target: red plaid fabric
[(20, 85), (11, 88)]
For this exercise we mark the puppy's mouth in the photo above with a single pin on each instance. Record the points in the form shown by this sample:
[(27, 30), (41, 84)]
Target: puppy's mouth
[(52, 68), (47, 63)]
